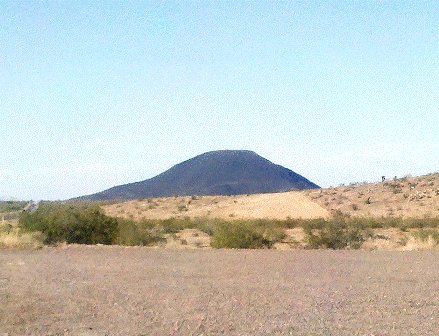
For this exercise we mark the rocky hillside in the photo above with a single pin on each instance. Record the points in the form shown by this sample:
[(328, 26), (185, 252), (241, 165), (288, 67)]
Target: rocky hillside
[(401, 197)]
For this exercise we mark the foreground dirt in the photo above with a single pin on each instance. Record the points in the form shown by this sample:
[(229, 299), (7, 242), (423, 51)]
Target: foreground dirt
[(80, 290)]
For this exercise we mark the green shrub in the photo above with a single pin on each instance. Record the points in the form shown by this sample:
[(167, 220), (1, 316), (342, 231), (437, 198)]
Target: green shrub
[(336, 234), (12, 206), (174, 225), (274, 234), (137, 234), (238, 235), (81, 224)]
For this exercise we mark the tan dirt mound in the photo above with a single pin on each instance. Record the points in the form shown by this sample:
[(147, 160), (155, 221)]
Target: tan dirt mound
[(274, 206)]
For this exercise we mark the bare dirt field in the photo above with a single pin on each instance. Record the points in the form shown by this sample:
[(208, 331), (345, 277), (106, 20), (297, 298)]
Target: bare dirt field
[(98, 290)]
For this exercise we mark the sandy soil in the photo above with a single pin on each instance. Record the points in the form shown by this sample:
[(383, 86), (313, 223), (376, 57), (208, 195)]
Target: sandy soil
[(276, 206), (80, 290), (415, 197), (407, 197)]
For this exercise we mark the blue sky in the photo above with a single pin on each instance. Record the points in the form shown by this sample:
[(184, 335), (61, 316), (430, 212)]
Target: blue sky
[(96, 94)]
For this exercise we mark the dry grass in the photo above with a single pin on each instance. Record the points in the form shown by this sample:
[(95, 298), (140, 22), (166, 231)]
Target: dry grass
[(11, 237)]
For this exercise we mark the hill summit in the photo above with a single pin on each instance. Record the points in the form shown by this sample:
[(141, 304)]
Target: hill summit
[(224, 172)]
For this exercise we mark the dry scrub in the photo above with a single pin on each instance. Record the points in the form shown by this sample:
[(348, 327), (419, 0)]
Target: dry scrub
[(12, 237)]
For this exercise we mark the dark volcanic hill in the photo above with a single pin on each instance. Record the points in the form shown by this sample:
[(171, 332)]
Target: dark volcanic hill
[(225, 172)]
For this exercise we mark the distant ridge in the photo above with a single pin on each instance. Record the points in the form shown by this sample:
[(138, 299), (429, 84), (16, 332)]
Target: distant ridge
[(224, 172)]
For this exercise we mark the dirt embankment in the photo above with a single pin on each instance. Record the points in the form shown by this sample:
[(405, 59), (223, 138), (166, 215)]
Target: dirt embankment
[(273, 206)]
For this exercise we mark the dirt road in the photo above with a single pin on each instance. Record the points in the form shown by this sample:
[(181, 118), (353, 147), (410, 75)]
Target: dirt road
[(139, 291)]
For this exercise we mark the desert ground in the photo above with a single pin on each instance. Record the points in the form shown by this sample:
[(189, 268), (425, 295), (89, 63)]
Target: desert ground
[(274, 206), (111, 290), (407, 197), (184, 287), (404, 197)]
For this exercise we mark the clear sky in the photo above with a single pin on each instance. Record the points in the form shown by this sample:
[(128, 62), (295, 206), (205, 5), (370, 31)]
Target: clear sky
[(96, 94)]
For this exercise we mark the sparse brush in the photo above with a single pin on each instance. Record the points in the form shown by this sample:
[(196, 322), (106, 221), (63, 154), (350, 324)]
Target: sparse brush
[(137, 234), (182, 207), (424, 234), (12, 237), (335, 235), (403, 240), (88, 225), (238, 235)]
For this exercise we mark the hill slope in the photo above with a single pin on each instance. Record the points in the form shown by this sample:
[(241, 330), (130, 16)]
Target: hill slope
[(406, 197), (410, 197), (293, 204), (226, 172)]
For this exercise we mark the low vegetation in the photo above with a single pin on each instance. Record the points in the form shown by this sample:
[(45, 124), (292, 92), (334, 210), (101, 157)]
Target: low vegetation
[(12, 206), (137, 234), (426, 234), (12, 237), (83, 223), (336, 234), (238, 235)]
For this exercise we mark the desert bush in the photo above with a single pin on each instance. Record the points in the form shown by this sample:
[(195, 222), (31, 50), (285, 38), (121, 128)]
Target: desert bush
[(137, 234), (82, 224), (238, 235), (173, 225), (12, 206), (336, 234), (274, 234)]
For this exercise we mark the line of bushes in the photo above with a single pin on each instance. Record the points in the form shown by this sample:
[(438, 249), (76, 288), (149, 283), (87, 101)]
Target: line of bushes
[(85, 223), (11, 206)]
